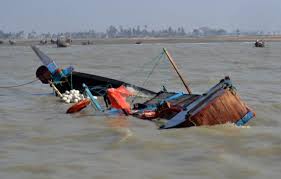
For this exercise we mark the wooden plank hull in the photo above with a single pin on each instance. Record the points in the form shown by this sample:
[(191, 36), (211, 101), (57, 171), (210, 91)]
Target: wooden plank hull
[(225, 108), (97, 84), (220, 105), (66, 79)]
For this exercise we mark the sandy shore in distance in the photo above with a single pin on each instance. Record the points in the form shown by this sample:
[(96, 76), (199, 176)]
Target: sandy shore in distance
[(241, 38)]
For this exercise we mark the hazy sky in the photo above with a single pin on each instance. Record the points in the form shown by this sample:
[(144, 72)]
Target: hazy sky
[(82, 15)]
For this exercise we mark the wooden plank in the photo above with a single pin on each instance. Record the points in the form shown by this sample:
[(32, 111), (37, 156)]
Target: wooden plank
[(225, 108), (177, 70)]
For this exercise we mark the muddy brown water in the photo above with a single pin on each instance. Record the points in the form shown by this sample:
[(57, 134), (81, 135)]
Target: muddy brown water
[(38, 140)]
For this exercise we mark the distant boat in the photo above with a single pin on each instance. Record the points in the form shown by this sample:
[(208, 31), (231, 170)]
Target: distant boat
[(68, 40), (1, 41), (88, 43), (259, 43), (12, 42), (63, 42), (53, 41), (138, 42), (43, 41)]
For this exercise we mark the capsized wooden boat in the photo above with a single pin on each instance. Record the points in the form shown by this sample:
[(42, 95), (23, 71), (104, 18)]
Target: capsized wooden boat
[(98, 84), (219, 105), (67, 79)]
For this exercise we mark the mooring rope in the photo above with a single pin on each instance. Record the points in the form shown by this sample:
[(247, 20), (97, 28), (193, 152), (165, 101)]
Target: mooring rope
[(24, 84)]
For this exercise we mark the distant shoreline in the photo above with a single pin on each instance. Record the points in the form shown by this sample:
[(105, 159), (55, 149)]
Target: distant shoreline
[(151, 40)]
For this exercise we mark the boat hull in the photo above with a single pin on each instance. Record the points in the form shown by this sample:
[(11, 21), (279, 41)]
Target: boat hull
[(220, 105), (226, 107), (97, 84), (67, 79)]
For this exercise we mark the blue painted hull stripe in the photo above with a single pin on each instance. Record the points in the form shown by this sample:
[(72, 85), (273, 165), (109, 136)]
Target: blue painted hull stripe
[(245, 119), (172, 97)]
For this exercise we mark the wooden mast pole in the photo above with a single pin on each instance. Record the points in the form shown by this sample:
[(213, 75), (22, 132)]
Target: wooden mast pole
[(55, 88), (177, 70)]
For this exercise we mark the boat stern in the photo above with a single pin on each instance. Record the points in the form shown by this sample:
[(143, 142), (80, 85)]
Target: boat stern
[(220, 105)]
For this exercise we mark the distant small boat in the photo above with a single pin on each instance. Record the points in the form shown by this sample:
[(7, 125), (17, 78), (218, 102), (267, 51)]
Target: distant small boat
[(138, 42), (12, 42), (88, 43), (53, 41), (259, 43), (63, 42), (1, 41), (43, 41), (68, 40)]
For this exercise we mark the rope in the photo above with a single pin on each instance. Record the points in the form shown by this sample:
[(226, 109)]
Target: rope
[(15, 86), (153, 68), (99, 90), (157, 59), (150, 73), (141, 69)]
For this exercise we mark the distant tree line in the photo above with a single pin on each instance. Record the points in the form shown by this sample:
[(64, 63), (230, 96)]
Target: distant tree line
[(16, 35), (130, 32), (206, 31), (113, 32)]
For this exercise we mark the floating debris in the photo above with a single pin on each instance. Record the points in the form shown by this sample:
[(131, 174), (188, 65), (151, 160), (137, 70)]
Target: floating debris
[(72, 96)]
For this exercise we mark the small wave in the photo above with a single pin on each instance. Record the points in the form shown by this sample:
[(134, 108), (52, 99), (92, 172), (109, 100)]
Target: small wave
[(126, 134), (276, 106), (233, 125), (229, 125), (137, 93)]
